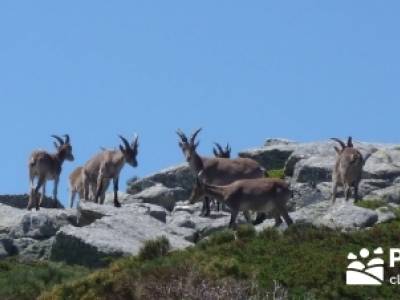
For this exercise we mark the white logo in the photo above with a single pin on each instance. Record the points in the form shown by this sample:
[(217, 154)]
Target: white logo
[(370, 274)]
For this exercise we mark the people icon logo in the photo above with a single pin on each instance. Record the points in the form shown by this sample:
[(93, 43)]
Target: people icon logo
[(371, 273)]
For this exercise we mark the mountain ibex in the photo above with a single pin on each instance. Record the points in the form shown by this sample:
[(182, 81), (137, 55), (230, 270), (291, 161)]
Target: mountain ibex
[(76, 186), (219, 171), (107, 165), (46, 166), (262, 195), (347, 170)]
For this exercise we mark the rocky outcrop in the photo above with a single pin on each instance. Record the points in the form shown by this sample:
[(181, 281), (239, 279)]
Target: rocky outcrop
[(21, 201), (119, 232), (156, 205), (29, 234), (174, 177), (273, 155)]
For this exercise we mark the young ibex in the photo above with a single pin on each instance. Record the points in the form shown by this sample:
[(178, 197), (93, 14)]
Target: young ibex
[(107, 165), (46, 166), (347, 170), (262, 195), (222, 152), (76, 186), (219, 171)]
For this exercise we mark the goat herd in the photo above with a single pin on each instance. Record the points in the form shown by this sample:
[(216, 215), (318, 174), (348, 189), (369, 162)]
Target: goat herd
[(239, 183)]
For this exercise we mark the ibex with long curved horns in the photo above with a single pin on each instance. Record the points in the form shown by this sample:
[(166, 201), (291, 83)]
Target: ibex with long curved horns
[(218, 171), (107, 165), (45, 166), (347, 170)]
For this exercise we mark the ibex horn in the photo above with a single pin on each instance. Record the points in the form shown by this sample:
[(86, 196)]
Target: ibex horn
[(219, 148), (124, 141), (193, 137), (350, 142), (66, 138), (135, 142), (340, 142), (182, 136), (60, 140)]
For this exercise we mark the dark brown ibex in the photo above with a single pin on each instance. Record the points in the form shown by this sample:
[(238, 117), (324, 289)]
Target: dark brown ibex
[(347, 170), (45, 166), (262, 195), (218, 171), (107, 165)]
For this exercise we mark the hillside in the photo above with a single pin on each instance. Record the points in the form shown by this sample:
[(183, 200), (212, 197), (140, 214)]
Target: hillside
[(307, 260)]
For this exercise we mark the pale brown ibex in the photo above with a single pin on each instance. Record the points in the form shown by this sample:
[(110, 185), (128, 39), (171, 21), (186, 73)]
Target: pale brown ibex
[(45, 166), (219, 171), (107, 165), (262, 195), (347, 170), (76, 187)]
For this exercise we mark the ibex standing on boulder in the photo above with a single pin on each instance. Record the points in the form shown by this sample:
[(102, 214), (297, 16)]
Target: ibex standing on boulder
[(76, 186), (46, 166), (219, 171), (347, 170), (107, 165), (262, 195)]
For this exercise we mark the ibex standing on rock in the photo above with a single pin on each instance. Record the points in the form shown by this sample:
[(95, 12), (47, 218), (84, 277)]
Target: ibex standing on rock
[(46, 166), (261, 195), (76, 186), (347, 170), (107, 165), (219, 171)]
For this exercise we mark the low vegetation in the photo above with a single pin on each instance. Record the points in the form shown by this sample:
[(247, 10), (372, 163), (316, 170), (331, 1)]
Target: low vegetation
[(278, 173), (22, 281), (371, 203), (304, 262)]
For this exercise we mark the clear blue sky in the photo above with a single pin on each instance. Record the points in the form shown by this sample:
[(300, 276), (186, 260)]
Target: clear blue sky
[(243, 70)]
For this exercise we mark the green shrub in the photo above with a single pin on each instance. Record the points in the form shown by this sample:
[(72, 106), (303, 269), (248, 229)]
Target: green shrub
[(155, 248), (371, 203), (278, 173), (27, 280), (222, 237), (246, 231)]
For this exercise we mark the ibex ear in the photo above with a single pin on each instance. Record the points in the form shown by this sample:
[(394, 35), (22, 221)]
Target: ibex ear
[(196, 145), (337, 150), (181, 145), (121, 148), (56, 145)]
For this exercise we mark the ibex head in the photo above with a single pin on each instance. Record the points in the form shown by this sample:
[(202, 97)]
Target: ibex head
[(221, 152), (130, 151), (64, 148), (343, 145), (188, 146)]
